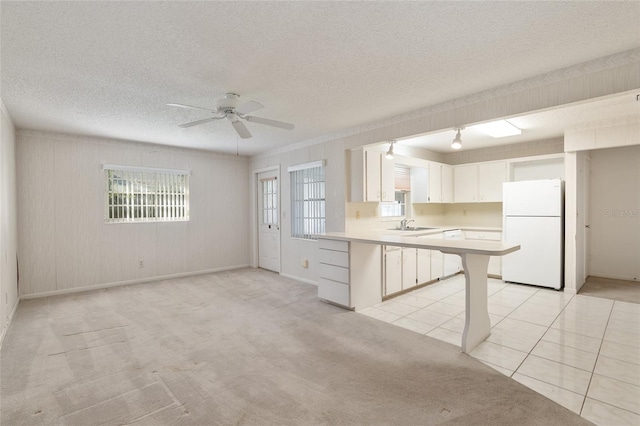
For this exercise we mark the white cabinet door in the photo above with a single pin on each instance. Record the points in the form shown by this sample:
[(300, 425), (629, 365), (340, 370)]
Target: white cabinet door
[(465, 183), (409, 268), (387, 178), (424, 266), (435, 183), (372, 175), (419, 185), (392, 272), (447, 183), (437, 264), (491, 176)]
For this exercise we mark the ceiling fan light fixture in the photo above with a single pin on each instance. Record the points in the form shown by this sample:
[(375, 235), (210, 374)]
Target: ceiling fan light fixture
[(389, 154), (457, 141), (498, 129)]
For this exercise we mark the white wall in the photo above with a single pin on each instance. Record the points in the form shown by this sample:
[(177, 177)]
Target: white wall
[(64, 244), (615, 213), (8, 225)]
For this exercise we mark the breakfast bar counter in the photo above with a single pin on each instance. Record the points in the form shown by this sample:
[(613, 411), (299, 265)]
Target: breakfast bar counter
[(359, 254)]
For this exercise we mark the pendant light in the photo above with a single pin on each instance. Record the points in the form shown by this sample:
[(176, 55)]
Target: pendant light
[(457, 141), (389, 154)]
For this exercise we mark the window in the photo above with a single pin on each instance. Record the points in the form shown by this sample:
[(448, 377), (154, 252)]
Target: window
[(145, 195), (307, 200), (270, 201), (397, 208)]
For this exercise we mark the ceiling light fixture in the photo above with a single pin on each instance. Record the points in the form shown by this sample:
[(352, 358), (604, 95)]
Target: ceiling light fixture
[(457, 141), (498, 129), (389, 154)]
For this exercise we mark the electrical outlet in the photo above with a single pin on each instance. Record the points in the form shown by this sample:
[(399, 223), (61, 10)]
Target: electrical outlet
[(140, 264), (375, 213), (305, 263), (357, 214)]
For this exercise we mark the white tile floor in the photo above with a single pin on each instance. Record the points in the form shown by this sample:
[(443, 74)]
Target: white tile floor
[(582, 352)]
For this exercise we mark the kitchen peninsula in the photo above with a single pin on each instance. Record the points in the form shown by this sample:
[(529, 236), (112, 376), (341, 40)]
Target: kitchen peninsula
[(350, 264)]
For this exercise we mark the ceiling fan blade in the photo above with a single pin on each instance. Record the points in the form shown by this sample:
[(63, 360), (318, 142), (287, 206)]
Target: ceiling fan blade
[(248, 107), (268, 122), (191, 107), (195, 123), (241, 129)]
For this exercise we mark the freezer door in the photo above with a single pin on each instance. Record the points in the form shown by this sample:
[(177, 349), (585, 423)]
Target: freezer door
[(539, 260), (533, 198)]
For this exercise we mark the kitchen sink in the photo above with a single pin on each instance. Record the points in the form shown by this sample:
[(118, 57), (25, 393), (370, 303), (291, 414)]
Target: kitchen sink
[(416, 228)]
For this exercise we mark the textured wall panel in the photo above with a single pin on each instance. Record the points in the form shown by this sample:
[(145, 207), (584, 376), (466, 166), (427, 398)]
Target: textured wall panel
[(65, 243)]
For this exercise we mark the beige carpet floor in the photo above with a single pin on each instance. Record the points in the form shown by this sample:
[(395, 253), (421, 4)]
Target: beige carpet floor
[(608, 288), (242, 347)]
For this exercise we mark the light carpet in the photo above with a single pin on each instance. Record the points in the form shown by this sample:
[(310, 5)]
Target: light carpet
[(242, 347)]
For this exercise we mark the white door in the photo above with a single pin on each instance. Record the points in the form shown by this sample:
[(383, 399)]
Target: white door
[(268, 221)]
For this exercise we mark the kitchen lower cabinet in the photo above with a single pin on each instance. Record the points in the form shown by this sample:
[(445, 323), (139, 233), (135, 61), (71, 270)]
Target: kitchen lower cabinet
[(409, 268), (392, 271), (423, 268), (349, 273), (437, 264), (400, 269)]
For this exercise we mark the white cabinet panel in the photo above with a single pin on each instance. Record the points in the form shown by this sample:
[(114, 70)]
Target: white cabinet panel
[(424, 266), (332, 257), (333, 245), (419, 185), (465, 184), (435, 183), (392, 272), (437, 264), (447, 183), (409, 268), (334, 273), (480, 182), (372, 175), (333, 291), (387, 179), (491, 176)]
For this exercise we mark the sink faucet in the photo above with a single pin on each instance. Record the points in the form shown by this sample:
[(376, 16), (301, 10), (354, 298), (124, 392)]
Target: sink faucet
[(404, 223)]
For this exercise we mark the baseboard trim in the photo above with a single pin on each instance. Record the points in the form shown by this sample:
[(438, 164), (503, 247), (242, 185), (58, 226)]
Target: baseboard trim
[(9, 320), (128, 282), (304, 280)]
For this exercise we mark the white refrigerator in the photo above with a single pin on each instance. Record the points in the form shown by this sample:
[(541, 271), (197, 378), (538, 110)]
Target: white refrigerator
[(533, 216)]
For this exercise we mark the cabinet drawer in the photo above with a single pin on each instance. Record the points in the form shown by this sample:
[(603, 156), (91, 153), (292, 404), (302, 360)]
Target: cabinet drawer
[(333, 292), (337, 258), (483, 235), (333, 245), (334, 273)]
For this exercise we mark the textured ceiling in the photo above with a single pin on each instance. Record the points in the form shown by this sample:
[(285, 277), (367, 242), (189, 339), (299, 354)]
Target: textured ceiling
[(109, 68)]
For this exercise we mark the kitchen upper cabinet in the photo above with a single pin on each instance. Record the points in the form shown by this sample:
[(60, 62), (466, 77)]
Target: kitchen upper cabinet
[(481, 182), (419, 184), (447, 183), (371, 176), (465, 183), (387, 179), (426, 183), (491, 176)]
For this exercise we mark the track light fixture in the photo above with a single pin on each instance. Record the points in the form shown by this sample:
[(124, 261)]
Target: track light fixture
[(389, 154), (457, 141)]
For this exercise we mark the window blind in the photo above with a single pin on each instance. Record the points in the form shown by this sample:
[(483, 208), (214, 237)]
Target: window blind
[(307, 200), (402, 176), (145, 195)]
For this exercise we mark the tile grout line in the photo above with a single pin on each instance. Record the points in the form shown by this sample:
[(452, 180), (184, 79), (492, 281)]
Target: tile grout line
[(597, 358)]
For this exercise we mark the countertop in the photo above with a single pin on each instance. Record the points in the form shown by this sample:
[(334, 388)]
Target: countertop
[(422, 240)]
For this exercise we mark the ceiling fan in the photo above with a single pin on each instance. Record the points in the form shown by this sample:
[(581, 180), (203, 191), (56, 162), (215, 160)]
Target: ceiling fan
[(230, 107)]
